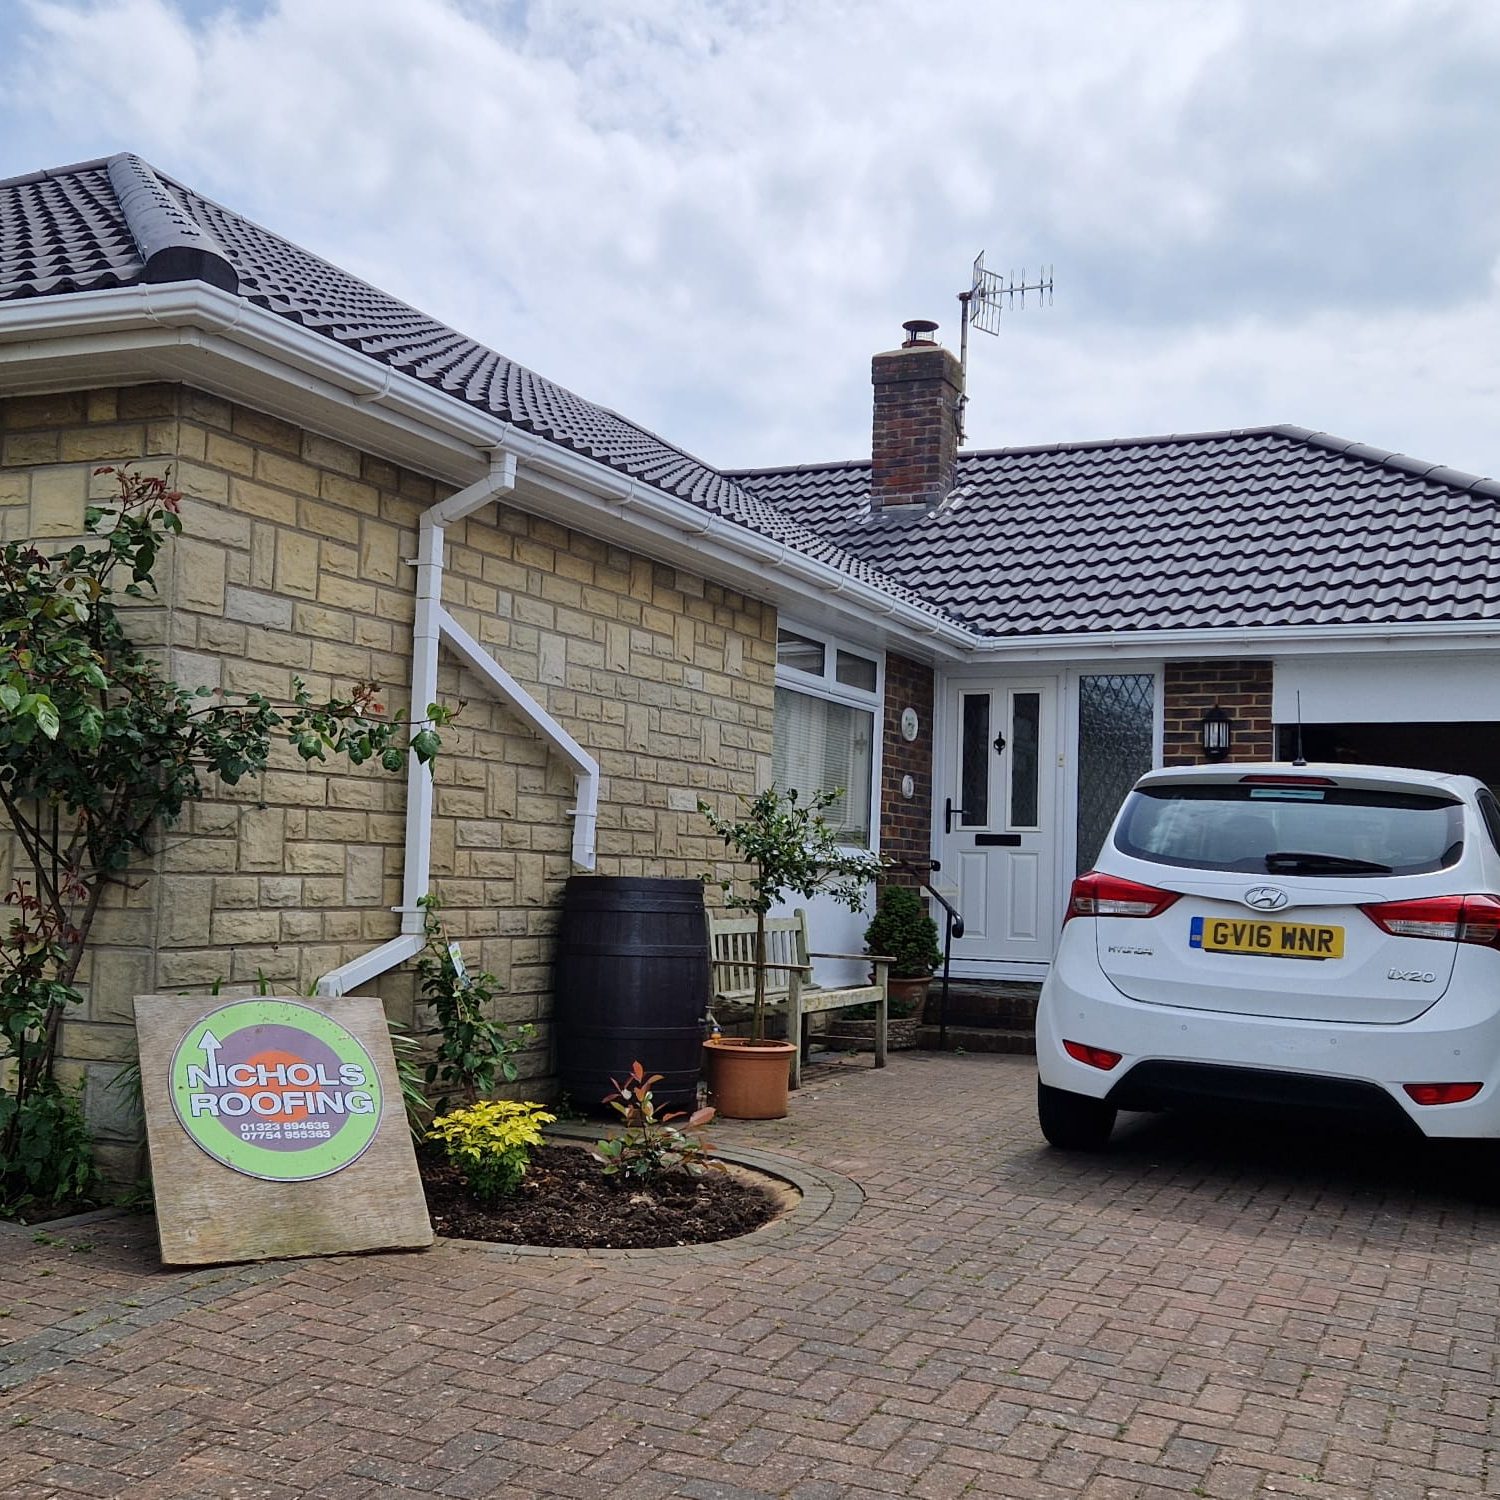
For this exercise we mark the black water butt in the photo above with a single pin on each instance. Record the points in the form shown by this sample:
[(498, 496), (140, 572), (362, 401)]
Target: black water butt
[(632, 983)]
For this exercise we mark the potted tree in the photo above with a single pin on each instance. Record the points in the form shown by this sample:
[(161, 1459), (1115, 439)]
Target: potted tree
[(791, 851), (902, 928)]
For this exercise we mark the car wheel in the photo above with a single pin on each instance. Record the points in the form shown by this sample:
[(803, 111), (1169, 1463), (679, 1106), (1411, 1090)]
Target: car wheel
[(1073, 1122)]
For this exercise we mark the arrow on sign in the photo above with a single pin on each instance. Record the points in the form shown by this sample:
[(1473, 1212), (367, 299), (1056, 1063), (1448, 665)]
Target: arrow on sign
[(210, 1045)]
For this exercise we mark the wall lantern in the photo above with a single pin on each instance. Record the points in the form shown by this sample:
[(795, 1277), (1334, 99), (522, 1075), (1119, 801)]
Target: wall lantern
[(1216, 731)]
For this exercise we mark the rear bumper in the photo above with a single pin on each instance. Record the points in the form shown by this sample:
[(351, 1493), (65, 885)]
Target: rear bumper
[(1173, 1056)]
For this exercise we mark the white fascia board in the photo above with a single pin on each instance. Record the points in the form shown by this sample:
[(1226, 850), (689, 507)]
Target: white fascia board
[(1284, 640), (199, 334), (236, 349)]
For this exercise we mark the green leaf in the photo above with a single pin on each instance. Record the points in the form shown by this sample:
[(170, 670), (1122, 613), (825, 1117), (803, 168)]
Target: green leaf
[(44, 711)]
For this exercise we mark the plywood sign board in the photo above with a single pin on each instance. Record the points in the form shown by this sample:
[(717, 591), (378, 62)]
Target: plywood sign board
[(276, 1129)]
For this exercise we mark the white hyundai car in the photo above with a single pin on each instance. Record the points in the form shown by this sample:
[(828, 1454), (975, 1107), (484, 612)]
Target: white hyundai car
[(1319, 938)]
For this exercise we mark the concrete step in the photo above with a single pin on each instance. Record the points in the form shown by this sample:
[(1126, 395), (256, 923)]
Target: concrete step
[(980, 1039), (1004, 1006)]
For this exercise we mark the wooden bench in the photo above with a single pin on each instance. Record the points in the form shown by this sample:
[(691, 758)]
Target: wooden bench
[(790, 989)]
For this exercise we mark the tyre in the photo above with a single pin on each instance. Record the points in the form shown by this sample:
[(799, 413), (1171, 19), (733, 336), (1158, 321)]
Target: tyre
[(1073, 1122)]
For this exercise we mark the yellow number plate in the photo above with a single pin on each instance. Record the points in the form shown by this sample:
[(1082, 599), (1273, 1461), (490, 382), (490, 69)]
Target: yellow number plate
[(1269, 939)]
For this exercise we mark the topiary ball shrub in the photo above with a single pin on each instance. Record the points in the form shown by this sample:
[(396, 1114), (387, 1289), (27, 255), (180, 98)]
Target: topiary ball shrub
[(902, 929)]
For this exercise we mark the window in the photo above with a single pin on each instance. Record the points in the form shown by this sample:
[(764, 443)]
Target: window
[(1337, 831), (827, 720)]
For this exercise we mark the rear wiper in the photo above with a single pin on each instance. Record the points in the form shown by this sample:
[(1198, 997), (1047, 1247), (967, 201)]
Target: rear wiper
[(1289, 862)]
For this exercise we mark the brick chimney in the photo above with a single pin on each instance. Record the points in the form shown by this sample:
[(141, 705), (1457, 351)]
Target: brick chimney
[(918, 395)]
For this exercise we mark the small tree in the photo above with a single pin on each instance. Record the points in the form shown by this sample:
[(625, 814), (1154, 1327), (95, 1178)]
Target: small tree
[(97, 749), (792, 851)]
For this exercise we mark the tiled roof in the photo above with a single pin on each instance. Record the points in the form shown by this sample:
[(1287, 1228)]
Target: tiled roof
[(116, 222), (1218, 530), (1229, 530)]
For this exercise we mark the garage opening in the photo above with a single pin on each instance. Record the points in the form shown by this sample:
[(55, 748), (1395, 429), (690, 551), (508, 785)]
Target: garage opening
[(1465, 749)]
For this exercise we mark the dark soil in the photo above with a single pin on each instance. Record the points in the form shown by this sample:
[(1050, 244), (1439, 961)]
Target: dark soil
[(566, 1200)]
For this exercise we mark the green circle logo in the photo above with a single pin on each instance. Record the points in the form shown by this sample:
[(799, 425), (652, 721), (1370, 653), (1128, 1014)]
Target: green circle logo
[(275, 1090)]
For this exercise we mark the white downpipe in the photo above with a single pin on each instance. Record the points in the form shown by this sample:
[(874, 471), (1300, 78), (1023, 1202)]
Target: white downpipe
[(505, 687), (432, 625), (417, 868)]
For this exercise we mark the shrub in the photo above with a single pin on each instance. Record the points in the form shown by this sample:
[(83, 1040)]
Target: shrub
[(902, 929), (98, 751), (491, 1143), (52, 1161), (650, 1143), (474, 1051)]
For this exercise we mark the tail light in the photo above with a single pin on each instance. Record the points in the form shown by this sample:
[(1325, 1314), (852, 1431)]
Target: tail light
[(1265, 780), (1096, 895), (1452, 919), (1095, 1057), (1442, 1093)]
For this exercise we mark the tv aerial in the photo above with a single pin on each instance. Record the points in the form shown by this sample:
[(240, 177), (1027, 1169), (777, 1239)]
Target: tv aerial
[(989, 295)]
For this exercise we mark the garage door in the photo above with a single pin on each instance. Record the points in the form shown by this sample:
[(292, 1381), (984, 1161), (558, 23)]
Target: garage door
[(1430, 712)]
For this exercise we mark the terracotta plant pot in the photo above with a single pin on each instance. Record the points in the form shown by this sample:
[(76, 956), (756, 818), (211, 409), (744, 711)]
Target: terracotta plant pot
[(910, 992), (748, 1080)]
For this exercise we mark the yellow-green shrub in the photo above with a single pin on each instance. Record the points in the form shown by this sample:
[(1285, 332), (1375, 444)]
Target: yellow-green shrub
[(490, 1143)]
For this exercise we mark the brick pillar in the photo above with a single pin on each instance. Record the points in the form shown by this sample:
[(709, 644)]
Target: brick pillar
[(1241, 688), (906, 822), (914, 447)]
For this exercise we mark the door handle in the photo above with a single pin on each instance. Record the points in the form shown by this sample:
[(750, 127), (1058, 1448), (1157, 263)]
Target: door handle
[(999, 744), (948, 811)]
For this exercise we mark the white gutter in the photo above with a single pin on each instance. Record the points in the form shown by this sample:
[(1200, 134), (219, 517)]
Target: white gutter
[(433, 625), (210, 326), (253, 337), (1267, 640)]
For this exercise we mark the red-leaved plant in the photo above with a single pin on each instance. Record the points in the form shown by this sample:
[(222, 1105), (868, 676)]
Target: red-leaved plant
[(652, 1143)]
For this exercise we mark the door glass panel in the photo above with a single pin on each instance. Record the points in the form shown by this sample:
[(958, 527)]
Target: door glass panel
[(1025, 730), (1116, 744), (974, 761)]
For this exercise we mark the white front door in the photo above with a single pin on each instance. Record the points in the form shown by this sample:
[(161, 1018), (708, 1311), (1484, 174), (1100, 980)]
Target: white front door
[(998, 819)]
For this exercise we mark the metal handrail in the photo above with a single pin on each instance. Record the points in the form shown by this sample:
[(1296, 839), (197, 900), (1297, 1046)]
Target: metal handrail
[(953, 927)]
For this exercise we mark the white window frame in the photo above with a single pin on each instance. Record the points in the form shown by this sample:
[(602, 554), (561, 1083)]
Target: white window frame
[(827, 686)]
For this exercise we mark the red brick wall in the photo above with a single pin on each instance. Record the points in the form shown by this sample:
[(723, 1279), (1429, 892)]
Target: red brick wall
[(914, 444), (906, 822), (1241, 688)]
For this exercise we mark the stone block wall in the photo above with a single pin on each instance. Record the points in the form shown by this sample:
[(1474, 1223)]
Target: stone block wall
[(294, 563), (1241, 688)]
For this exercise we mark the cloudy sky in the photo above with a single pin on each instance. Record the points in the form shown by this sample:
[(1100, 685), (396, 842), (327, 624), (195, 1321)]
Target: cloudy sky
[(710, 213)]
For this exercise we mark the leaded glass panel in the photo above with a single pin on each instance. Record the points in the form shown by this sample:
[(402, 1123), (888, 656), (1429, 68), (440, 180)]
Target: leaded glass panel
[(1116, 745)]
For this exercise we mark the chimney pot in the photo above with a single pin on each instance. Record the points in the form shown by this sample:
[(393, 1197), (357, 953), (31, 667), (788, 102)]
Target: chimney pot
[(919, 331)]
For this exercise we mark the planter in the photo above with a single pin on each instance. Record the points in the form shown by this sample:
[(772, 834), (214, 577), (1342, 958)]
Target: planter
[(859, 1036), (909, 993), (748, 1080)]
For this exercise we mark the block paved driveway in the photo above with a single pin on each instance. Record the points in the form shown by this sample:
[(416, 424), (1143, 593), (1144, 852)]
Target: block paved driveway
[(1201, 1312)]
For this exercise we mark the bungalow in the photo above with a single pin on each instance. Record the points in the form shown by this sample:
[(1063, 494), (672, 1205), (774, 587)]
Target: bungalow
[(982, 649)]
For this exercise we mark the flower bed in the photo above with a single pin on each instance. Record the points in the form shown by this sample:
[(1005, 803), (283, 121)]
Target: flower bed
[(565, 1199)]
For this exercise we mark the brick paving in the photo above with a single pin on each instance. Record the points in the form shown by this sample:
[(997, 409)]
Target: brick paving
[(1202, 1312)]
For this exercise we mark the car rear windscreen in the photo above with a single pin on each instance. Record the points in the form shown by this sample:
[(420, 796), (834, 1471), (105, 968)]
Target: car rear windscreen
[(1291, 830)]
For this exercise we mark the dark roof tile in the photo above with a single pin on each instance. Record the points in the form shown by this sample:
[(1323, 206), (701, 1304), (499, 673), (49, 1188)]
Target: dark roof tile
[(1228, 529), (1222, 530), (117, 222)]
